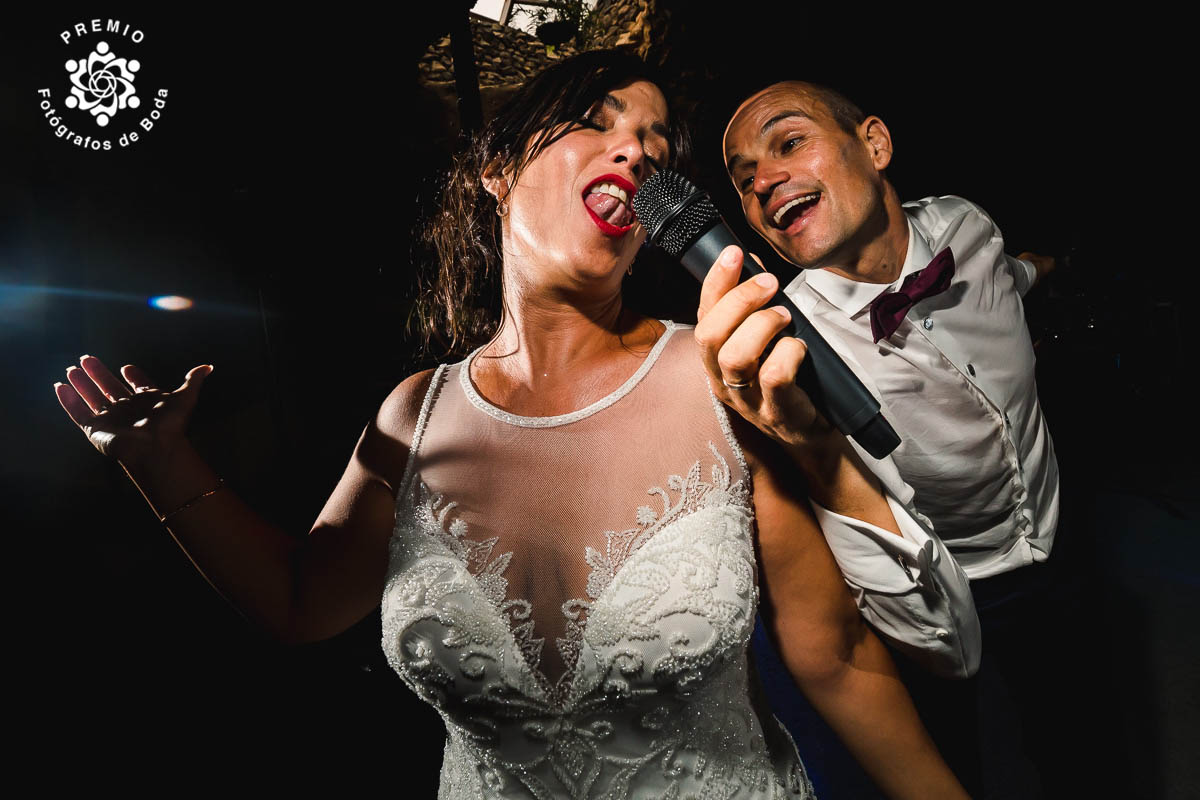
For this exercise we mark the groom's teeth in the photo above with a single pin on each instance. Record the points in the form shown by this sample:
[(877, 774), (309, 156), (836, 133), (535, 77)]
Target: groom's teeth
[(803, 199)]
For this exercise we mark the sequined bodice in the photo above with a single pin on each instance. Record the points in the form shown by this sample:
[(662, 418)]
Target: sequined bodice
[(623, 534)]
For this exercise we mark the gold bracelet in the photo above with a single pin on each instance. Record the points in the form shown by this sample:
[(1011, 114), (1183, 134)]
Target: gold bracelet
[(197, 498)]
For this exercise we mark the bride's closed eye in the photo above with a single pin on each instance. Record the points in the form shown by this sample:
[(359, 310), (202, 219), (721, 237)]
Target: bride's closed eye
[(597, 119)]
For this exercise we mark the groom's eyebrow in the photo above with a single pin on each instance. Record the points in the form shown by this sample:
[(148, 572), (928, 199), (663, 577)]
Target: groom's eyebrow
[(737, 158), (780, 117)]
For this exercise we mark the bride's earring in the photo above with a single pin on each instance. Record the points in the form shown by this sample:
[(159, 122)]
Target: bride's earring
[(502, 209)]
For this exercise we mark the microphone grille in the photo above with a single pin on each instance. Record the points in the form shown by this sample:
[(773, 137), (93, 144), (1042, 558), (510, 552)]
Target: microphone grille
[(673, 211)]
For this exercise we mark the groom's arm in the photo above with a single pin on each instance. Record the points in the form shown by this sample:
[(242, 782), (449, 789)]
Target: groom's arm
[(903, 579)]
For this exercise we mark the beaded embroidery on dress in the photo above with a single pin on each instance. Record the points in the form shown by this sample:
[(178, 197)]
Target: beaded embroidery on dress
[(575, 595)]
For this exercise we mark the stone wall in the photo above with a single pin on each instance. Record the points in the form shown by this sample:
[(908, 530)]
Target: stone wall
[(628, 25), (503, 55), (506, 57)]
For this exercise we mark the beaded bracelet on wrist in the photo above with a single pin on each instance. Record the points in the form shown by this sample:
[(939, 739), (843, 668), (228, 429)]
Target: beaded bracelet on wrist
[(196, 499)]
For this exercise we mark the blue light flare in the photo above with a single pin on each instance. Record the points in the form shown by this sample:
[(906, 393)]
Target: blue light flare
[(170, 302), (17, 297)]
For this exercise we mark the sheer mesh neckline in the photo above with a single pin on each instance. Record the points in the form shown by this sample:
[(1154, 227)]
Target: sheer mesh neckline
[(477, 400)]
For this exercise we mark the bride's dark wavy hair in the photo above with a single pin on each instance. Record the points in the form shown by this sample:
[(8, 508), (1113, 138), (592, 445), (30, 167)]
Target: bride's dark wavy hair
[(460, 299)]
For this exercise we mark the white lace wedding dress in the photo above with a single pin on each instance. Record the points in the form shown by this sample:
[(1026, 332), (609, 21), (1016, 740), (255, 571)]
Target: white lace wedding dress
[(575, 594)]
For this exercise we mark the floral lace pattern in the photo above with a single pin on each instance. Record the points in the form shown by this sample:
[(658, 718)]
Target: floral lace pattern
[(655, 699)]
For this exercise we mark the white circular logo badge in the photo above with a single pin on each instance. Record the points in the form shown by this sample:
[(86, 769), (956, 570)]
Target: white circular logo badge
[(101, 88)]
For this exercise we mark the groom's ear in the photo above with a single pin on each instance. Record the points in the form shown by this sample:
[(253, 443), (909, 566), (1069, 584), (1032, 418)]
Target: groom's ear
[(878, 140)]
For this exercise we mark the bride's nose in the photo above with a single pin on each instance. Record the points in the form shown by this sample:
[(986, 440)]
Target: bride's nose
[(627, 150)]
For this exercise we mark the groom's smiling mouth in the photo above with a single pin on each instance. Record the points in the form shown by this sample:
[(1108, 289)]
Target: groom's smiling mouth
[(793, 211)]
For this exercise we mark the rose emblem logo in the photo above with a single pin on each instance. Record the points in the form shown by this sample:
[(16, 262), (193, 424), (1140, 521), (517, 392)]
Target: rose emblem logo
[(103, 84)]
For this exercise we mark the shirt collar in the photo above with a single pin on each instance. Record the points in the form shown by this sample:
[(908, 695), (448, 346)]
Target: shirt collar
[(852, 297)]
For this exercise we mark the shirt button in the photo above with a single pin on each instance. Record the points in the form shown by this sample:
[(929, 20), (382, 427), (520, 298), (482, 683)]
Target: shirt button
[(942, 634), (971, 369), (927, 324), (1006, 422)]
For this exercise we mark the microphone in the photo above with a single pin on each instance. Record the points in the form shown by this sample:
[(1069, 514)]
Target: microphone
[(682, 220)]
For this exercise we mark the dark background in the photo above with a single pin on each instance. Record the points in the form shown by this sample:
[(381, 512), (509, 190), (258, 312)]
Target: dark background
[(279, 190)]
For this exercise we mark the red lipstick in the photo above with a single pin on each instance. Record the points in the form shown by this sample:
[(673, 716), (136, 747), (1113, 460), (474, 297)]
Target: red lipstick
[(606, 227)]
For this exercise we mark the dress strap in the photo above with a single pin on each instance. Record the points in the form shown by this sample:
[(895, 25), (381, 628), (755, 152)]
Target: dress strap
[(419, 430), (722, 412), (727, 428)]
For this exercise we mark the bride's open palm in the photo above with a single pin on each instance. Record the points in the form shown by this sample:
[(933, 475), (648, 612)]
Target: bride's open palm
[(131, 420)]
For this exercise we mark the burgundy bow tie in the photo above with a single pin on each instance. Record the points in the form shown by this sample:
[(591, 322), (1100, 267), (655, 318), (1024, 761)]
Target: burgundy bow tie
[(889, 308)]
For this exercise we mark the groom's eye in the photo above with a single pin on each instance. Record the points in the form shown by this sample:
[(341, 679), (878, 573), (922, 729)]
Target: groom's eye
[(790, 143)]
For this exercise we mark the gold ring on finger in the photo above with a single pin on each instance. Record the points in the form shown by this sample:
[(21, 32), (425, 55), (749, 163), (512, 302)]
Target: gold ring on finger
[(736, 385)]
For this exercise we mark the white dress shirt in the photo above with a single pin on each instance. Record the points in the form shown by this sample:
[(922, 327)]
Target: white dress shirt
[(976, 464)]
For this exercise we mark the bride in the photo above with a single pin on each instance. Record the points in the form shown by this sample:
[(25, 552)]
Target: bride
[(569, 533)]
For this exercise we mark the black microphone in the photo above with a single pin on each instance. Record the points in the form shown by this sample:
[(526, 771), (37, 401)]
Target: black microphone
[(682, 220)]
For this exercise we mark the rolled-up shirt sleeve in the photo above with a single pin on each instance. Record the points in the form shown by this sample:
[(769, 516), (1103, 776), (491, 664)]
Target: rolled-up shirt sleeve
[(1024, 273), (908, 587)]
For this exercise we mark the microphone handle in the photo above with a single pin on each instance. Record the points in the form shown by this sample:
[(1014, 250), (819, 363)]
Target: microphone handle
[(834, 390)]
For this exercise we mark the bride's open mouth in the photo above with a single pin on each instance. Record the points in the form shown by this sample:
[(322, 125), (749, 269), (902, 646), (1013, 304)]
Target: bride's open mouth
[(607, 201)]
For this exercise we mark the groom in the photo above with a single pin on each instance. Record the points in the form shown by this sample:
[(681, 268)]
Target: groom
[(924, 305)]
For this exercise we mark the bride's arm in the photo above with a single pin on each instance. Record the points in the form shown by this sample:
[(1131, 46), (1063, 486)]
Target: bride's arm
[(833, 656), (338, 574), (296, 588)]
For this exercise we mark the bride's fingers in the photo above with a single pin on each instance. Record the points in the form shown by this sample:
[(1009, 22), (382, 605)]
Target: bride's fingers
[(194, 378), (137, 378), (90, 393), (112, 386), (73, 404)]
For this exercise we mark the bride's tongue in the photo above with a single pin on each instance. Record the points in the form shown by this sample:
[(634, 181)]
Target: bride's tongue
[(609, 208)]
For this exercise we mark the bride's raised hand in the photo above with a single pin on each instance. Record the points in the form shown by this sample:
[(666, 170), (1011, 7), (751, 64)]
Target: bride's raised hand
[(132, 420)]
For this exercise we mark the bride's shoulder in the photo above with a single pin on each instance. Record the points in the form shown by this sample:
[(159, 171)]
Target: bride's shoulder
[(401, 409), (684, 351), (679, 354), (687, 355), (682, 343), (383, 448)]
